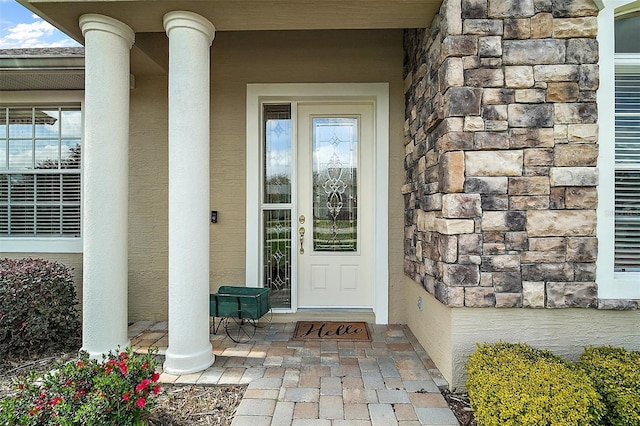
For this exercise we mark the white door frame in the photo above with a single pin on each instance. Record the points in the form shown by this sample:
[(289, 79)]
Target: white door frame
[(376, 92)]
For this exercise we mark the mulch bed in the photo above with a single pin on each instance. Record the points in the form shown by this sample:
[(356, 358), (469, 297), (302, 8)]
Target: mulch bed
[(196, 405), (459, 404)]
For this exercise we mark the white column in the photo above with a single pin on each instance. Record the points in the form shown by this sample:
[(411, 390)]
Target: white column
[(190, 37), (105, 180)]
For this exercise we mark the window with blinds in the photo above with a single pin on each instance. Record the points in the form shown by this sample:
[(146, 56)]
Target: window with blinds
[(40, 171), (627, 172)]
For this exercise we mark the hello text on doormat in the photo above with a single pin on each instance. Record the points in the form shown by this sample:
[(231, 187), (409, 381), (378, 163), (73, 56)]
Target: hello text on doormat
[(332, 330)]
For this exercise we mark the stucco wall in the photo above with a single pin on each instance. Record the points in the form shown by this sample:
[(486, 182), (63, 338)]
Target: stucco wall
[(239, 58), (148, 200), (450, 335), (430, 321), (563, 331)]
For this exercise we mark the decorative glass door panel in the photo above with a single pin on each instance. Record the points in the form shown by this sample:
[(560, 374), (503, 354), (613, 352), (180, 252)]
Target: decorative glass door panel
[(277, 256), (335, 184), (278, 154), (334, 205)]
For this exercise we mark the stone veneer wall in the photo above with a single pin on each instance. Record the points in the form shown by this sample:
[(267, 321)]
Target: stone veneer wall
[(501, 149)]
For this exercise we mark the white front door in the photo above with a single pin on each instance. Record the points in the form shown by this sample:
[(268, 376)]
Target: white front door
[(317, 160), (334, 206)]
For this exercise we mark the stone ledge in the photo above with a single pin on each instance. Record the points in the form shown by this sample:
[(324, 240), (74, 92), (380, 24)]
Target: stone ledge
[(618, 305)]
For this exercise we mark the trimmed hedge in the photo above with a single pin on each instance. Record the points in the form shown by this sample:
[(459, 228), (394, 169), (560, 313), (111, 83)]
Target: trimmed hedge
[(37, 307), (515, 384), (615, 372)]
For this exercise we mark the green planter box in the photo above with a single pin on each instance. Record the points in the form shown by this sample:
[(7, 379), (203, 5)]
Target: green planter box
[(239, 302)]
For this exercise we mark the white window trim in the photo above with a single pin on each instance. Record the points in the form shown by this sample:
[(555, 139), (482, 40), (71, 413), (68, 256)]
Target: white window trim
[(379, 92), (43, 244), (611, 285)]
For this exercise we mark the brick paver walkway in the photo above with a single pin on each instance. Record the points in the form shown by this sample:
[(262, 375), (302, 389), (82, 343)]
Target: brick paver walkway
[(388, 381)]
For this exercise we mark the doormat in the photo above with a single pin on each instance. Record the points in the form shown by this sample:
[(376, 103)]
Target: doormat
[(332, 330)]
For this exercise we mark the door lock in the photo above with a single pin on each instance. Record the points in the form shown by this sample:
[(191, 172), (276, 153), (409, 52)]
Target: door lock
[(301, 219)]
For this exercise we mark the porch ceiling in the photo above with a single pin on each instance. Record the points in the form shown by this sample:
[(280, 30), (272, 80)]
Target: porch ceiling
[(149, 54), (145, 16)]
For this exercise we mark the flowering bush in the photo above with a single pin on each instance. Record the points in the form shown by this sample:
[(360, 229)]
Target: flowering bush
[(117, 391), (37, 307)]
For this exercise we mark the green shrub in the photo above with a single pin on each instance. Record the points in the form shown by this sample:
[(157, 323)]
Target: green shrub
[(117, 391), (37, 307), (615, 372), (515, 384)]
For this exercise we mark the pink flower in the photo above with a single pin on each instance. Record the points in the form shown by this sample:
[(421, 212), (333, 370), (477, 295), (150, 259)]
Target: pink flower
[(123, 367), (126, 396), (55, 401), (140, 402), (155, 377), (144, 365), (123, 355), (79, 364), (156, 390)]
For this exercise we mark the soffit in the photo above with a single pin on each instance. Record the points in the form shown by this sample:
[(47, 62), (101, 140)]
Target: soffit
[(42, 69), (42, 81)]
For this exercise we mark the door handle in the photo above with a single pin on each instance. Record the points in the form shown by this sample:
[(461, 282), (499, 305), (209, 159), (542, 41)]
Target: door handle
[(301, 232)]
